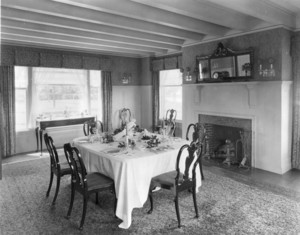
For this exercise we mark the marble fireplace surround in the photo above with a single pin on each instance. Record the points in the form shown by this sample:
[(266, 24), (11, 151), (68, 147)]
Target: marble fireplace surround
[(268, 104)]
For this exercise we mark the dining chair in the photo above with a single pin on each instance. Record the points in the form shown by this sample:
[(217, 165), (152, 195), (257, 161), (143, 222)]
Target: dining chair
[(85, 183), (170, 122), (56, 167), (89, 127), (125, 116), (179, 180), (199, 132)]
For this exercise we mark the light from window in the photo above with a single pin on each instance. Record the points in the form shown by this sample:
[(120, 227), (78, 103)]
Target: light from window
[(170, 96), (21, 88), (51, 93)]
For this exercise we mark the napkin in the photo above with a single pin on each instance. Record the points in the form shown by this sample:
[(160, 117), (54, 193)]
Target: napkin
[(131, 125), (120, 135), (146, 133)]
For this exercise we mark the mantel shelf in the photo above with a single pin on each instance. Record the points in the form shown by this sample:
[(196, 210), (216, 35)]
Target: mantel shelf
[(249, 85), (233, 83)]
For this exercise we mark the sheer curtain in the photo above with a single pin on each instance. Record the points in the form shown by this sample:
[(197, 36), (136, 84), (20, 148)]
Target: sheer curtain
[(7, 124), (107, 100), (57, 92)]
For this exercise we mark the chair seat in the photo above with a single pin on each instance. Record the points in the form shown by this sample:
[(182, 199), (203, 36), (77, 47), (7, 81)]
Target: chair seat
[(166, 180), (65, 168), (97, 180)]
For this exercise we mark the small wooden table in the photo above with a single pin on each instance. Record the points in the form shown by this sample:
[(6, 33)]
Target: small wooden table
[(42, 124)]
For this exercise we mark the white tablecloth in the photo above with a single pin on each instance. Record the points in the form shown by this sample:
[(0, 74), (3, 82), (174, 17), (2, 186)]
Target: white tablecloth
[(131, 170)]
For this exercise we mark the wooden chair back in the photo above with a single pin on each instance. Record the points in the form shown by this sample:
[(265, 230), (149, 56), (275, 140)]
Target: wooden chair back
[(170, 122), (171, 115), (125, 116), (185, 180), (54, 160), (198, 131), (77, 166), (89, 127)]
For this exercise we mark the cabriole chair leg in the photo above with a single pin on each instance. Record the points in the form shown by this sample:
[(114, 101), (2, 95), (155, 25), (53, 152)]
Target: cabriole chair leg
[(195, 202), (57, 189), (83, 213), (201, 171), (151, 201), (177, 211), (71, 201), (50, 183)]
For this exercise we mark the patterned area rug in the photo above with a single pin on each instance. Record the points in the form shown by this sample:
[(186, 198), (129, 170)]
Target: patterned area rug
[(225, 206)]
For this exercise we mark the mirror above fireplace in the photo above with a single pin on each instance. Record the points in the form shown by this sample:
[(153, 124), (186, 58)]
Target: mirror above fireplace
[(225, 65)]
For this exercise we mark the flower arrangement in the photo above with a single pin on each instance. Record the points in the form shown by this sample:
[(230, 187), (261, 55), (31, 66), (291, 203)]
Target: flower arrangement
[(153, 142)]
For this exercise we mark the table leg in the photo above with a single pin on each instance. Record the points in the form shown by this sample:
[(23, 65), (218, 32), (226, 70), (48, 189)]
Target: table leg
[(37, 138), (41, 139)]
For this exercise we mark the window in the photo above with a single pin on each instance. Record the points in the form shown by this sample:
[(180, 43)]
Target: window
[(170, 97), (55, 93), (21, 88)]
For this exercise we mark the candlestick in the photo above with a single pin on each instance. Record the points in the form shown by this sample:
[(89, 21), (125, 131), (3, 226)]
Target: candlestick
[(126, 136)]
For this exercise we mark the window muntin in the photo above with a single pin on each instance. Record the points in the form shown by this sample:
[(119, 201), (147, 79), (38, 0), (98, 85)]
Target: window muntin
[(170, 82)]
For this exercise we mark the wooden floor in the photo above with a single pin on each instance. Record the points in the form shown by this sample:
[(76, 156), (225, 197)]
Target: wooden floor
[(24, 157), (289, 181)]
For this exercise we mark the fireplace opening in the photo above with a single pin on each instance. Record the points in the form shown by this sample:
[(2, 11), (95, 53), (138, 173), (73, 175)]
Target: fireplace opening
[(229, 140)]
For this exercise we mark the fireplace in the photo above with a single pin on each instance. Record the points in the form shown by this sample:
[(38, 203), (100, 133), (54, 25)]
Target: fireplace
[(266, 106), (229, 139)]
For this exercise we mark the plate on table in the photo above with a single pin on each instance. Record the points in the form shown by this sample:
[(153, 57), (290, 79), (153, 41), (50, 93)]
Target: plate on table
[(82, 141), (111, 151)]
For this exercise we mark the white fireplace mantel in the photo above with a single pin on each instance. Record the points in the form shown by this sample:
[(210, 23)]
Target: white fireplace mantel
[(267, 103)]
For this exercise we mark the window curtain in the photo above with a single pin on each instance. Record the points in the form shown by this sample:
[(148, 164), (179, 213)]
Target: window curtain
[(2, 137), (155, 96), (296, 102), (107, 100), (7, 124)]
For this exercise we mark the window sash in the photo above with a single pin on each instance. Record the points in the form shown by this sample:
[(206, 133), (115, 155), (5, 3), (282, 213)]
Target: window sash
[(176, 83)]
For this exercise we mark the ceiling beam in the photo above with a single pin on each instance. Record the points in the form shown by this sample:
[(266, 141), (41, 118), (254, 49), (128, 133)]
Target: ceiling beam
[(27, 40), (150, 14), (14, 24), (298, 21), (203, 11), (87, 15), (24, 16), (260, 9), (83, 41)]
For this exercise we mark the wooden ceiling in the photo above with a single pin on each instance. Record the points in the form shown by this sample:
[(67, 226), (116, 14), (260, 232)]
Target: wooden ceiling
[(138, 28)]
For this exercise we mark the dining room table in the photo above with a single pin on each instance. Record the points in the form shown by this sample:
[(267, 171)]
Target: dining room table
[(131, 167)]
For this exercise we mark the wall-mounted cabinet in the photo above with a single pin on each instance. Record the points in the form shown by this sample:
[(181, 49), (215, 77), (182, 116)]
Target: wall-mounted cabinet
[(225, 65)]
